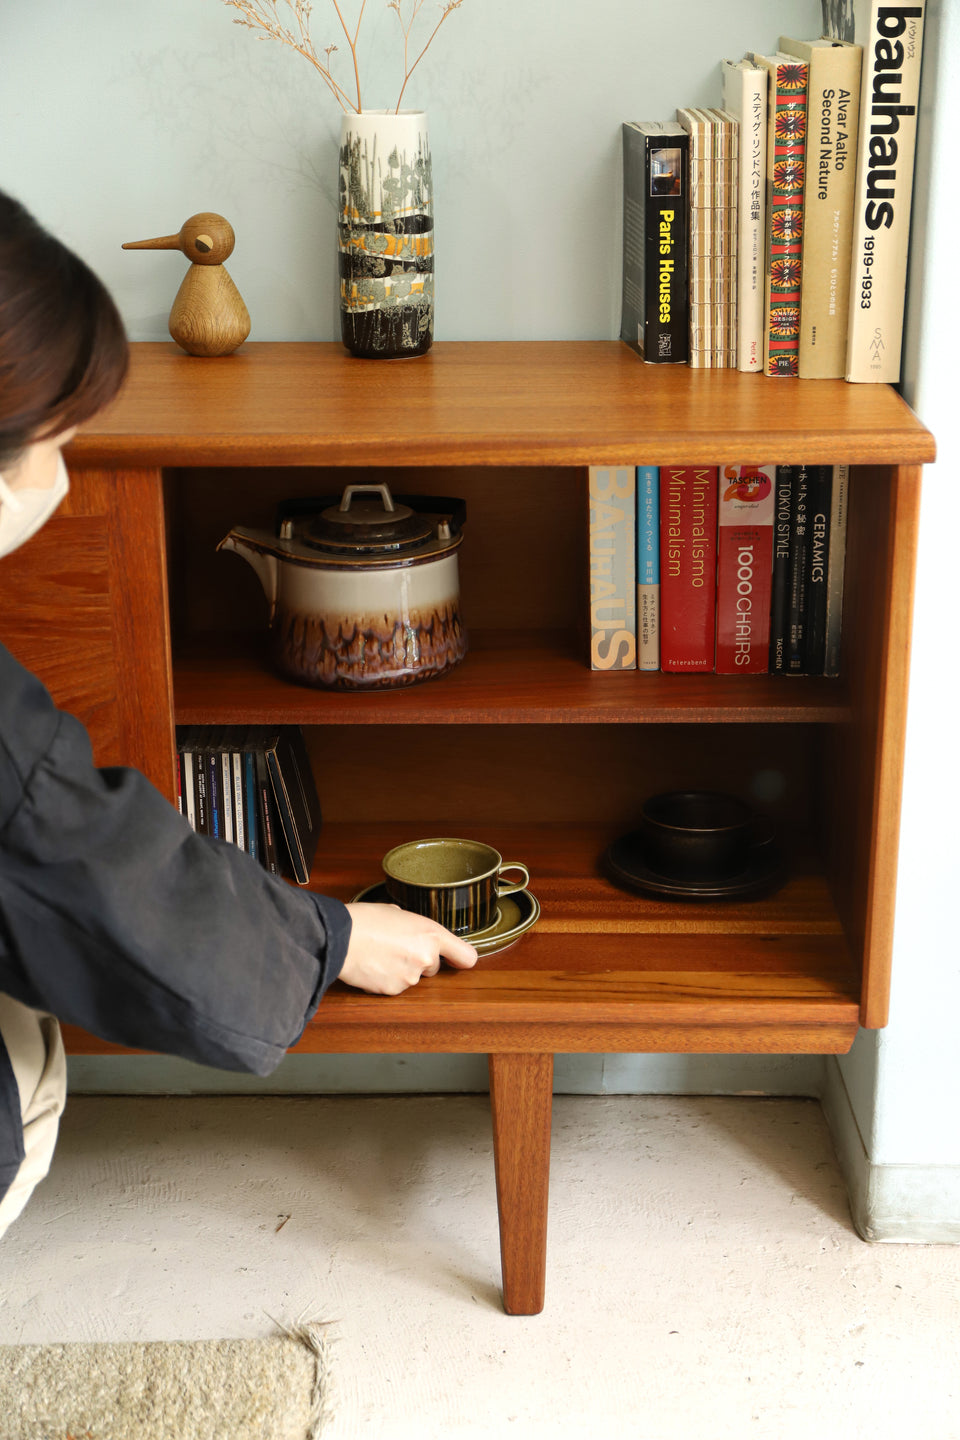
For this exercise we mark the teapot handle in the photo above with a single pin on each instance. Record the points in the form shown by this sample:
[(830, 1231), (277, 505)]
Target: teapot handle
[(381, 490)]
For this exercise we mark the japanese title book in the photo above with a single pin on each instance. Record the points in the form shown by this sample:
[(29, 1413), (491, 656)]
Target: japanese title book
[(648, 567), (786, 145), (745, 97)]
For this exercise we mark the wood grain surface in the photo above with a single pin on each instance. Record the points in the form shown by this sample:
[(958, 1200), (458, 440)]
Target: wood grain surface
[(498, 403)]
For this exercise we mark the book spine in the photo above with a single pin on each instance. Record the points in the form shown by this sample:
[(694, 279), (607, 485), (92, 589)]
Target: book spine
[(655, 318), (613, 580), (251, 807), (799, 549), (830, 187), (283, 813), (269, 855), (215, 800), (745, 96), (786, 137), (688, 567), (836, 555), (892, 39), (819, 510), (226, 791), (190, 792), (701, 269), (648, 567), (744, 565), (236, 772), (726, 132), (780, 581), (201, 791)]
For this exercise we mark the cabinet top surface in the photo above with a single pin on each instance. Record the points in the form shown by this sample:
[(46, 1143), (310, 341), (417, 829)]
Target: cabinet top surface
[(484, 403)]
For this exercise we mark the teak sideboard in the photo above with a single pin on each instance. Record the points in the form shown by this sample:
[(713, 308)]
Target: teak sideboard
[(135, 622)]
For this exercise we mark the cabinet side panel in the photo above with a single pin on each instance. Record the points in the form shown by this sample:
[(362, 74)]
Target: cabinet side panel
[(865, 758), (84, 607)]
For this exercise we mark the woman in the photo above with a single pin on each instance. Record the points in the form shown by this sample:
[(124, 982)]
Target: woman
[(114, 915)]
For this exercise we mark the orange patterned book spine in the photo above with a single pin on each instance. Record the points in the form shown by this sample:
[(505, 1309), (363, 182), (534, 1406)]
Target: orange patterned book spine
[(786, 144)]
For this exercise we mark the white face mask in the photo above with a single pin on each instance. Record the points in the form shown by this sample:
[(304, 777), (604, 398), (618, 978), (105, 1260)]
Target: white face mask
[(22, 512)]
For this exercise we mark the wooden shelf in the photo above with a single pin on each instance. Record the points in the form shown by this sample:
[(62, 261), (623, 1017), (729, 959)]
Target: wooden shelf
[(508, 403), (604, 969), (507, 678)]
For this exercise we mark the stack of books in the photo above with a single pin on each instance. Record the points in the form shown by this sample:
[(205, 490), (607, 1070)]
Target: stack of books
[(251, 786), (808, 251), (731, 568)]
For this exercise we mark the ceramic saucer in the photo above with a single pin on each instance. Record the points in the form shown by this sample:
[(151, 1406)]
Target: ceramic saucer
[(625, 863), (519, 913)]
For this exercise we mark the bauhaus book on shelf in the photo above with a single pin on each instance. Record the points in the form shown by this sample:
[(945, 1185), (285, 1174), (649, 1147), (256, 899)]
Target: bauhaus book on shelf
[(124, 607)]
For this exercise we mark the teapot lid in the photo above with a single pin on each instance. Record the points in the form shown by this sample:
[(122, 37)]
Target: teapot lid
[(368, 525)]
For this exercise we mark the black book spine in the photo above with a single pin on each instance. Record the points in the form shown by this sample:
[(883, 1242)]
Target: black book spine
[(821, 487), (655, 314), (269, 854), (201, 786), (780, 585), (799, 549)]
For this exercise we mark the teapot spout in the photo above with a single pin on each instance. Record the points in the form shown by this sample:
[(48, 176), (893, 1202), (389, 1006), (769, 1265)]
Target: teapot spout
[(261, 554)]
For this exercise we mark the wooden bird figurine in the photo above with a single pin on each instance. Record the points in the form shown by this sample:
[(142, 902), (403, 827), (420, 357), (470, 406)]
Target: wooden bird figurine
[(208, 315)]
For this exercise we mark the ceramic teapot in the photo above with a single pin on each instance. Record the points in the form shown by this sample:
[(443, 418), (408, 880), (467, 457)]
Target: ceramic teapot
[(364, 592)]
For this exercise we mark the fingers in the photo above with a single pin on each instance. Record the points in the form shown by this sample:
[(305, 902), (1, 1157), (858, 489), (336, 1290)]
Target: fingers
[(457, 952), (391, 949)]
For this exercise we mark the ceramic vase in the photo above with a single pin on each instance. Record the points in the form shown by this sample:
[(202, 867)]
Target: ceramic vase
[(386, 234)]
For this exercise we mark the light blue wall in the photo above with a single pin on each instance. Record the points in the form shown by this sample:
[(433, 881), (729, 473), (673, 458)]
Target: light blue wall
[(120, 118)]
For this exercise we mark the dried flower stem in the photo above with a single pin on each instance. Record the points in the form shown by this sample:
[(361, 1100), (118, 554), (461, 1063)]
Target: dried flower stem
[(262, 16), (408, 69)]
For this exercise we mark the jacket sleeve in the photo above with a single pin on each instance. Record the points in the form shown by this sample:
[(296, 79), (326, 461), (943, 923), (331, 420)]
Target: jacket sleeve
[(115, 916)]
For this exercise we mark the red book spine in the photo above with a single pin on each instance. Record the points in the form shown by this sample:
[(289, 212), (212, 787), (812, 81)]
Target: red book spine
[(744, 568), (789, 97), (688, 561)]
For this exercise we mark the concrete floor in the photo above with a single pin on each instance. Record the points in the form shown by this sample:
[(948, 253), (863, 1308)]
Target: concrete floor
[(703, 1279)]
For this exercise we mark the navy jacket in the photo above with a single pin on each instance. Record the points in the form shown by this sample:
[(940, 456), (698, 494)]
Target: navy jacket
[(115, 916)]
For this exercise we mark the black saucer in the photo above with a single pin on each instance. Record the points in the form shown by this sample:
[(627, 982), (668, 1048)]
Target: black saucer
[(626, 864)]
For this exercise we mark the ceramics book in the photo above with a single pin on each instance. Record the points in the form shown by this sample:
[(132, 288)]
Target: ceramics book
[(835, 567), (821, 486)]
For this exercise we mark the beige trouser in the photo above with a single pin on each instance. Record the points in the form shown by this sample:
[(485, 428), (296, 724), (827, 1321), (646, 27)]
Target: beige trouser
[(36, 1053)]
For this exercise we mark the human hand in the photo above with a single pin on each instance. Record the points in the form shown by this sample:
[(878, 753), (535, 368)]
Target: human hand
[(390, 949)]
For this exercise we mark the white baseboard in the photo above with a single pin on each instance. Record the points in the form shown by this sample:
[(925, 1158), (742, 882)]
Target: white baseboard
[(889, 1204), (451, 1074)]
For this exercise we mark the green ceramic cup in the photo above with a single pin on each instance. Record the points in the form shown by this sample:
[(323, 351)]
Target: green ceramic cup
[(455, 882)]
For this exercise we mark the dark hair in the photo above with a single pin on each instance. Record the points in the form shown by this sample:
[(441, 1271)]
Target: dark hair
[(63, 351)]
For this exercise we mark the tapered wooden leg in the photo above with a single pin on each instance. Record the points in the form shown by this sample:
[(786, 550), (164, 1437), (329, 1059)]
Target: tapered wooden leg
[(521, 1098)]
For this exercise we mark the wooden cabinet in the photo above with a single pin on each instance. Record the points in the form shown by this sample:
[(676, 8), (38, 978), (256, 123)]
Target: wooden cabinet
[(522, 746)]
